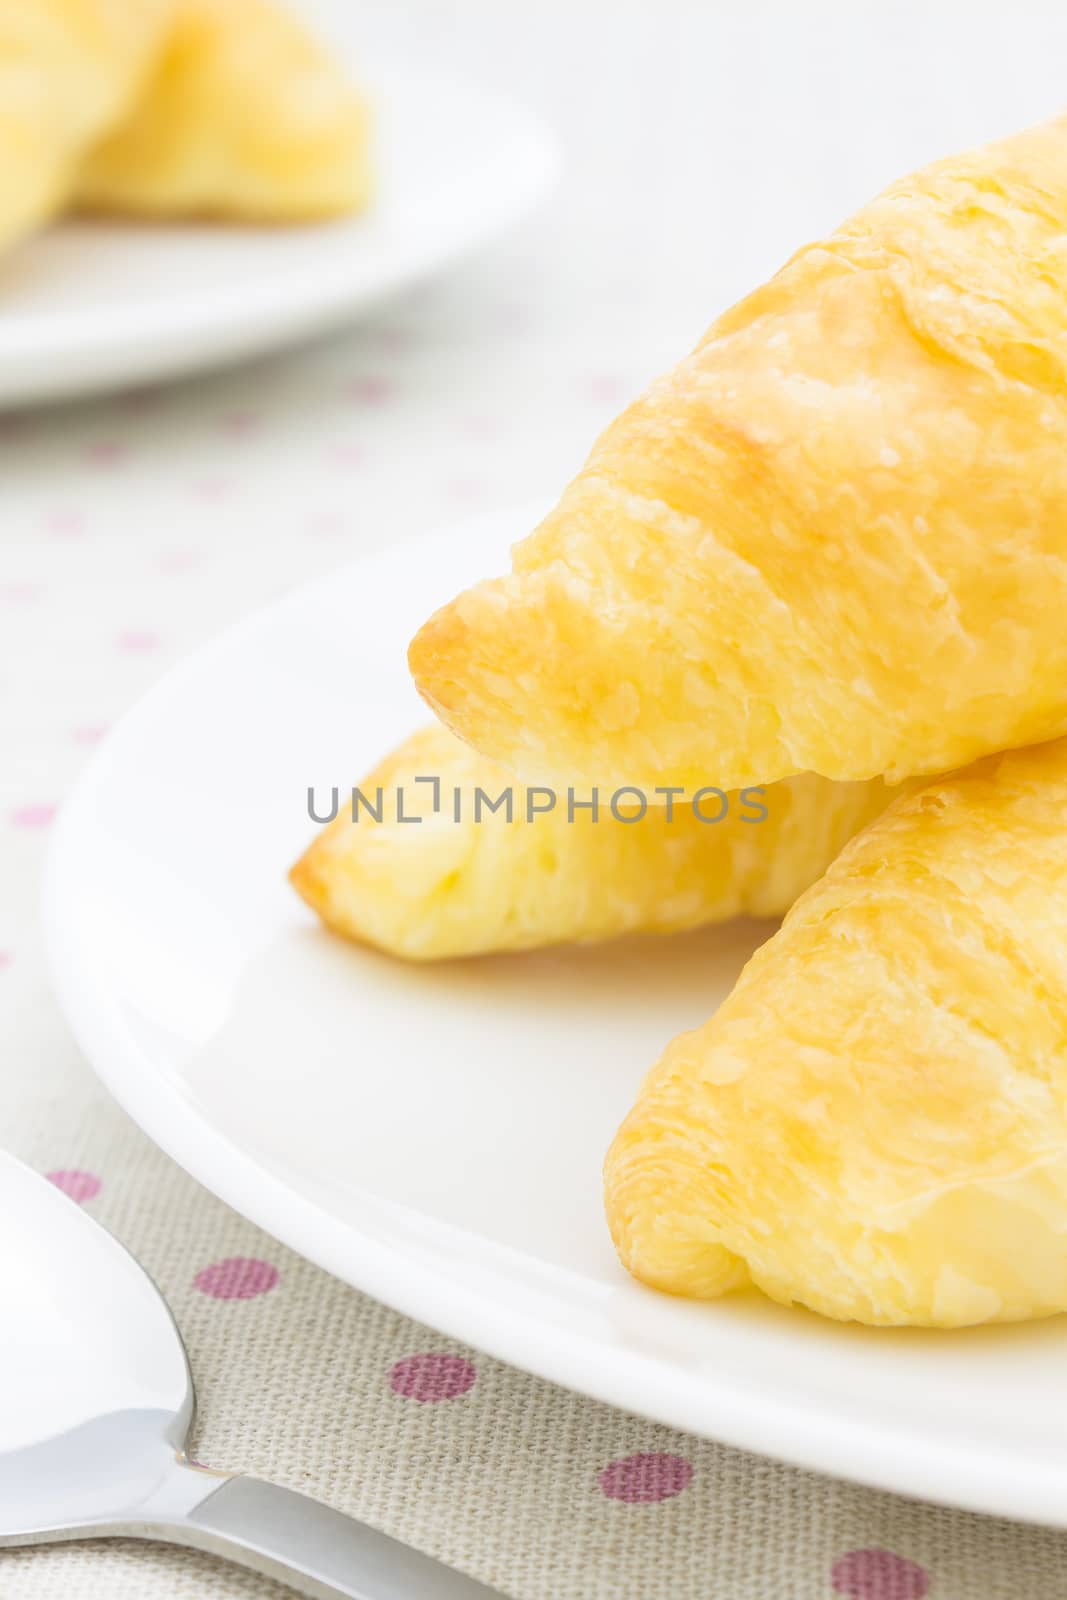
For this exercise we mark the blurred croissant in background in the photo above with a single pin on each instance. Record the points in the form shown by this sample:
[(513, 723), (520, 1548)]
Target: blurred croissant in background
[(69, 70), (244, 116), (224, 108)]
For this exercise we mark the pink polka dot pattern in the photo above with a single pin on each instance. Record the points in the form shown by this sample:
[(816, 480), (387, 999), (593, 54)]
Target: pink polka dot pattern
[(349, 455), (605, 388), (66, 522), (80, 1186), (483, 429), (432, 1376), (135, 402), (327, 523), (107, 453), (515, 319), (20, 594), (369, 391), (646, 1477), (39, 814), (238, 424), (878, 1575), (465, 490), (138, 641), (394, 340), (182, 560), (213, 488), (236, 1278)]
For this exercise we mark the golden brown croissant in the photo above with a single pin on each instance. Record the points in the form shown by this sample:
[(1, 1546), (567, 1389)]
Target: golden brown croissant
[(246, 116), (68, 70), (873, 1124), (445, 888), (834, 538)]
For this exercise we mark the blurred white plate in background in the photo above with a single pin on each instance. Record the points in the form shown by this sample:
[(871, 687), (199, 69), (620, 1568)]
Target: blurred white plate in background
[(95, 305), (434, 1135)]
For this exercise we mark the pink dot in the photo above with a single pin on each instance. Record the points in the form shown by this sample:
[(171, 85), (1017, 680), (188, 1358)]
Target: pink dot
[(483, 428), (236, 1278), (465, 490), (89, 733), (20, 594), (369, 391), (604, 388), (107, 453), (214, 488), (394, 340), (181, 560), (138, 640), (136, 401), (236, 424), (6, 958), (80, 1186), (432, 1376), (878, 1575), (515, 319), (349, 455), (645, 1477), (66, 523), (37, 815), (327, 523)]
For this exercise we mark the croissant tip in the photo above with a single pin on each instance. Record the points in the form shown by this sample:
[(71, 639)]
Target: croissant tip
[(304, 877)]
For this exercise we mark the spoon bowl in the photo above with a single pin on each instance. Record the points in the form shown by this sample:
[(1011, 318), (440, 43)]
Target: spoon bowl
[(96, 1402)]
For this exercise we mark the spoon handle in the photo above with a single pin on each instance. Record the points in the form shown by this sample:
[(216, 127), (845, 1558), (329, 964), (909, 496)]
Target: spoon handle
[(318, 1551)]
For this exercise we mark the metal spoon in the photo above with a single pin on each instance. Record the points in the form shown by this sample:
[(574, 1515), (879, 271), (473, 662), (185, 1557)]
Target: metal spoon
[(96, 1401)]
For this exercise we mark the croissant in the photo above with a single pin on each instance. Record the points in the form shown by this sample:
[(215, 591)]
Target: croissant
[(247, 116), (873, 1124), (68, 70), (833, 538), (488, 881)]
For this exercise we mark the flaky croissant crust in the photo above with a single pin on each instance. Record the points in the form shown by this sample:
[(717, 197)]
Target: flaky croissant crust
[(833, 538), (873, 1124)]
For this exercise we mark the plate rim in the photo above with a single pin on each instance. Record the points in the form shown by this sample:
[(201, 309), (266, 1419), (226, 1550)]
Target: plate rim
[(844, 1446)]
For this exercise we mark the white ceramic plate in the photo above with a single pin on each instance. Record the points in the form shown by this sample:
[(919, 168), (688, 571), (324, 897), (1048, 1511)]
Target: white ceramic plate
[(434, 1135), (90, 306)]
